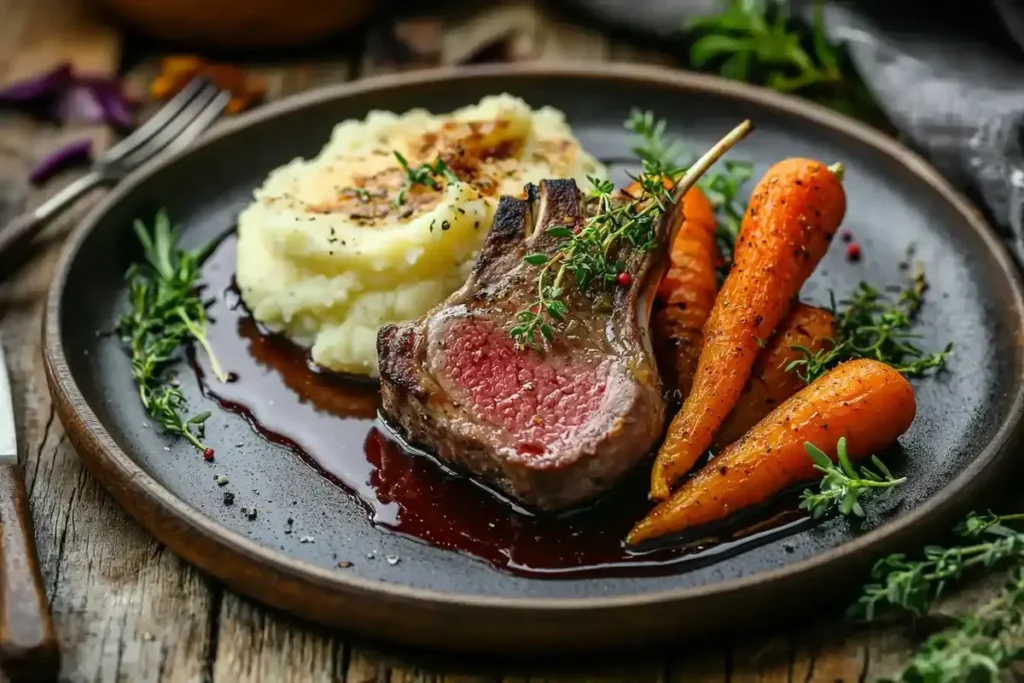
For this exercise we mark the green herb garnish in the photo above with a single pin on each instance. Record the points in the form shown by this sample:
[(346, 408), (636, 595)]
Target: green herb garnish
[(361, 193), (725, 191), (590, 255), (755, 41), (979, 646), (842, 487), (913, 585), (589, 252), (165, 313), (869, 326), (747, 41), (657, 151), (425, 174), (724, 188)]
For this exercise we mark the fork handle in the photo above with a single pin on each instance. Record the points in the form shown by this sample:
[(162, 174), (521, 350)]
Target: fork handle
[(18, 234)]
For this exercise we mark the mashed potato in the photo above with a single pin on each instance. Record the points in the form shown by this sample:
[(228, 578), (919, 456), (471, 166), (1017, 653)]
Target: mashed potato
[(335, 247)]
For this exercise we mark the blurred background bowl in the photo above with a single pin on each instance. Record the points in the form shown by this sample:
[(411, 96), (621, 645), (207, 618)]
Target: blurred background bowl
[(240, 23)]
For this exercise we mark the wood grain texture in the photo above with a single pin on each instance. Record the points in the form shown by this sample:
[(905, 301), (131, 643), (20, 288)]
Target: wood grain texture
[(124, 608), (28, 646), (128, 610), (254, 644), (38, 34), (15, 239)]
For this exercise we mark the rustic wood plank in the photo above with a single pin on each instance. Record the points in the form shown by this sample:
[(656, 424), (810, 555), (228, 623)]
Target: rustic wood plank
[(625, 673), (365, 666), (760, 660), (256, 644), (711, 667), (888, 649), (564, 41), (38, 34), (838, 657), (124, 608)]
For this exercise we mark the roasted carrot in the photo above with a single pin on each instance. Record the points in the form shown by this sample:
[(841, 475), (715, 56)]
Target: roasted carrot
[(868, 402), (687, 292), (793, 214), (770, 383)]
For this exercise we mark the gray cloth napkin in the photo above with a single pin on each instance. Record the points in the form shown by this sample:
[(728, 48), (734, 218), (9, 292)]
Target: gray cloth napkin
[(954, 95), (948, 75)]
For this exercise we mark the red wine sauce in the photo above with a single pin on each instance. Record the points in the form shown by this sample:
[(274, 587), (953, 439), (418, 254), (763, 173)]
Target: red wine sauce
[(331, 422)]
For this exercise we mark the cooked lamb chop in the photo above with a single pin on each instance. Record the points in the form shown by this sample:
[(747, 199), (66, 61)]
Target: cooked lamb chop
[(553, 427)]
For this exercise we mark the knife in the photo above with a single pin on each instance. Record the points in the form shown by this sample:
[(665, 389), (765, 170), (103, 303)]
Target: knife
[(28, 646)]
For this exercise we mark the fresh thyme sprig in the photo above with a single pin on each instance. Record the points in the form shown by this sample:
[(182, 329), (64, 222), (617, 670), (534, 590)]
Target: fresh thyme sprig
[(589, 255), (165, 313), (660, 154), (913, 585), (589, 252), (425, 174), (869, 326), (745, 37), (657, 151), (980, 647), (842, 487)]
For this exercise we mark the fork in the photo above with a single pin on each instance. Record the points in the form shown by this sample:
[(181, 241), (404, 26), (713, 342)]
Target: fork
[(176, 125)]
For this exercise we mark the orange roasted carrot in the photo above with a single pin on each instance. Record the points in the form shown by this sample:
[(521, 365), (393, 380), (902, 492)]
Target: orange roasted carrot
[(770, 383), (687, 292), (793, 214), (868, 402)]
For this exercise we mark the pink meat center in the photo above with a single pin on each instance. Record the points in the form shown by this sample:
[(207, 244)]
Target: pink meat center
[(539, 403)]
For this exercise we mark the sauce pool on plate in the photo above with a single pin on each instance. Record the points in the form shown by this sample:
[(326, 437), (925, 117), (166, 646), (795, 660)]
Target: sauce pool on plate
[(332, 423)]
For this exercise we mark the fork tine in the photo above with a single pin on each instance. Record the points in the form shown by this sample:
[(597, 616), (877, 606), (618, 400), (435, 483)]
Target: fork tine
[(155, 144), (156, 122), (204, 120)]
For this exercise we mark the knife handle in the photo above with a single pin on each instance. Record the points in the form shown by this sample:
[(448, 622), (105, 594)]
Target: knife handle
[(28, 646)]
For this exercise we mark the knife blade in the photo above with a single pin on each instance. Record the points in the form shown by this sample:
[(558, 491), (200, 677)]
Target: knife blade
[(8, 438), (28, 646)]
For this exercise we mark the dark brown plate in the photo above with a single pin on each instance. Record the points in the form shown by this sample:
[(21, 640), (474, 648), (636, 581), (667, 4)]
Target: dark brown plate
[(968, 419)]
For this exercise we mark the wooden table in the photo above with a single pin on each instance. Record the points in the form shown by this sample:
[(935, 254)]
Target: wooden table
[(129, 610)]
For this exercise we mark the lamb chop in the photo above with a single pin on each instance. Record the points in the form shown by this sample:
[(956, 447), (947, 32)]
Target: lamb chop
[(552, 424)]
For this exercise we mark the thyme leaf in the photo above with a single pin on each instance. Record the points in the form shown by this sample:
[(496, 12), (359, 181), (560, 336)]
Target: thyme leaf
[(869, 326), (843, 487), (657, 151), (425, 174), (590, 253), (165, 312), (725, 188), (979, 646)]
